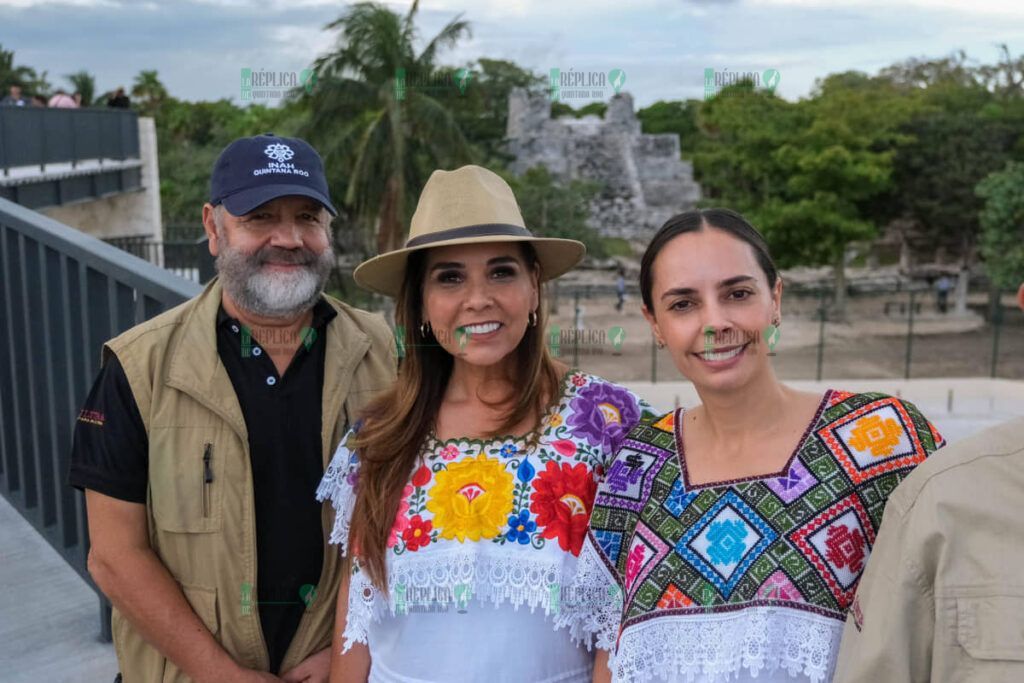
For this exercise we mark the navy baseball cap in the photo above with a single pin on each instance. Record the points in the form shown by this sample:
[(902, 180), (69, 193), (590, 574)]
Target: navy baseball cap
[(252, 171)]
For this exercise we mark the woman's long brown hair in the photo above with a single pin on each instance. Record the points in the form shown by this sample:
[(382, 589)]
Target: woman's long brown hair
[(397, 423)]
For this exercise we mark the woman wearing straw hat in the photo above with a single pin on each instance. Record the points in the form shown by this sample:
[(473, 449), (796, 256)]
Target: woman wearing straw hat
[(462, 495)]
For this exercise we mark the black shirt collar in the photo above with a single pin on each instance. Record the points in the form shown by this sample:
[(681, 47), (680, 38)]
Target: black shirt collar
[(323, 313)]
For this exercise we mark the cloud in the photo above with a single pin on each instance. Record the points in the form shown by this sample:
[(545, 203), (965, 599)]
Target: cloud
[(199, 46)]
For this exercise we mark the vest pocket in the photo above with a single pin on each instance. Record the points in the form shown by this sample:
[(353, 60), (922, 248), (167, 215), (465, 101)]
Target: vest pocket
[(186, 475), (991, 627), (204, 604)]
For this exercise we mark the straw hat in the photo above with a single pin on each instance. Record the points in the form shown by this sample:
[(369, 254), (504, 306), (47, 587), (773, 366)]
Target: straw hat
[(469, 205)]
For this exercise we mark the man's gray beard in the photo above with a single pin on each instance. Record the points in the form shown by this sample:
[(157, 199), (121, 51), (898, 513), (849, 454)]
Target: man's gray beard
[(274, 295)]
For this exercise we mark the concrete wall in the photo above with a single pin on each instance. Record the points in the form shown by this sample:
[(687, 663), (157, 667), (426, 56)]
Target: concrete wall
[(125, 214)]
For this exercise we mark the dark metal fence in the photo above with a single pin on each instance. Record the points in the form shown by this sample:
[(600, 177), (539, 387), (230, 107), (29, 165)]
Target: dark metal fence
[(62, 294), (32, 136), (189, 259)]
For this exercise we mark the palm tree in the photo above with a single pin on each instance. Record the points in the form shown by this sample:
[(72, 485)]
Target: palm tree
[(83, 83), (387, 136), (149, 91)]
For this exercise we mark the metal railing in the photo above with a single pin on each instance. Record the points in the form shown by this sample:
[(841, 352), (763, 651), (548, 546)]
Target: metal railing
[(188, 259), (31, 136), (62, 294)]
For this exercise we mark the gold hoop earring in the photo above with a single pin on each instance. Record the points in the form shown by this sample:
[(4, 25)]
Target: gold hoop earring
[(425, 328), (533, 318)]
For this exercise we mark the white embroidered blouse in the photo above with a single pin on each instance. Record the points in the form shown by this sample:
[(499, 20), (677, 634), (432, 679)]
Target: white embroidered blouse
[(483, 528)]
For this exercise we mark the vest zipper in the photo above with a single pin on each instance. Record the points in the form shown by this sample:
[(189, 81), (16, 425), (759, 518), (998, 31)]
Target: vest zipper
[(207, 478)]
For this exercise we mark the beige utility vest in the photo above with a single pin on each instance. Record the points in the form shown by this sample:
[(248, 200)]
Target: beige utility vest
[(205, 533)]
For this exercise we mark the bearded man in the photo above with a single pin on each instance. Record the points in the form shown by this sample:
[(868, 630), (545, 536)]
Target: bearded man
[(203, 439)]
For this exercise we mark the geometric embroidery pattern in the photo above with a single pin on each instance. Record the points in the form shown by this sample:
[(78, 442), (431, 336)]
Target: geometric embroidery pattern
[(874, 439), (837, 542), (800, 538), (726, 540)]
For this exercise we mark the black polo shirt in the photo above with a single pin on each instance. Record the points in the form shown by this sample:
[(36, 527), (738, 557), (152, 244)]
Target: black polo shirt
[(283, 417)]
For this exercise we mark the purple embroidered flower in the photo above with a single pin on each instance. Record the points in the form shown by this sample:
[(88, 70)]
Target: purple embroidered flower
[(603, 414)]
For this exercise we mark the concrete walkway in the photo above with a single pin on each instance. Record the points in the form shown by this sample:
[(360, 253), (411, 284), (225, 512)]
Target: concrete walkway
[(49, 617)]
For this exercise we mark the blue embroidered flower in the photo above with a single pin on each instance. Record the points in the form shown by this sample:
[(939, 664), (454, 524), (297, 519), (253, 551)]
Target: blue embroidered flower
[(509, 450), (526, 472), (520, 527), (726, 537)]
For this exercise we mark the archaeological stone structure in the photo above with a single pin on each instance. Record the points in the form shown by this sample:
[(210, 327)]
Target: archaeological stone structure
[(644, 180)]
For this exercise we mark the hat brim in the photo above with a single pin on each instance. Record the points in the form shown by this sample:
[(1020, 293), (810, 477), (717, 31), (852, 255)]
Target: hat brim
[(244, 201), (385, 273)]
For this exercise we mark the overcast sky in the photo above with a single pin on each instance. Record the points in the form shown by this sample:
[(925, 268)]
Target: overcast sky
[(200, 46)]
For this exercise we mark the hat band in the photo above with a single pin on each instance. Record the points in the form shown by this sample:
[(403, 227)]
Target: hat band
[(482, 230)]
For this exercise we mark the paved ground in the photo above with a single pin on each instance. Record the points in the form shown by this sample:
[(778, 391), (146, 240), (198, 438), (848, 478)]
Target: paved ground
[(49, 617)]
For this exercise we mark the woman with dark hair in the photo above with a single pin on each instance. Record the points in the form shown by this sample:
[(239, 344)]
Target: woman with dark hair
[(726, 540), (463, 493)]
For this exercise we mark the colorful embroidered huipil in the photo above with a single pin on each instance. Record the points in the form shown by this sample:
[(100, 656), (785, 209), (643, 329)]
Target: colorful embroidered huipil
[(484, 528), (728, 580)]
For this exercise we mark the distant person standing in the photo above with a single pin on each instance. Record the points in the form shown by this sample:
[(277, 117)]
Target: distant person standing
[(620, 289), (942, 287), (119, 100), (14, 98), (62, 100)]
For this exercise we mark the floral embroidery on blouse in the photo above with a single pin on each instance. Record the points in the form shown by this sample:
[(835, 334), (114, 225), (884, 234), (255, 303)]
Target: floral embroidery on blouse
[(498, 519)]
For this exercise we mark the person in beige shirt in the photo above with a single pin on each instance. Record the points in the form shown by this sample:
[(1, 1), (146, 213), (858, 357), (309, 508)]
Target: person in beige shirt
[(942, 597)]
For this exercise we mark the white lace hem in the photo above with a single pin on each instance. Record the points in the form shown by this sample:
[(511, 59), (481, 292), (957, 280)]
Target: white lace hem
[(335, 486), (453, 578), (717, 647), (593, 607)]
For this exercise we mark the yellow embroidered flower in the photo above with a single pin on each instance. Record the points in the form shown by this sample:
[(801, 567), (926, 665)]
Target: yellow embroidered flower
[(875, 434), (555, 420), (471, 499)]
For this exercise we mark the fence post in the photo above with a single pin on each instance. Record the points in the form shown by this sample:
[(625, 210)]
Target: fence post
[(821, 333), (910, 335), (997, 324)]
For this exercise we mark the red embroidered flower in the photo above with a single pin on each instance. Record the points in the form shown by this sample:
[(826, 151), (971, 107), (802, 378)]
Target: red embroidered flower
[(564, 447), (417, 534), (562, 498), (579, 380), (421, 476), (401, 521)]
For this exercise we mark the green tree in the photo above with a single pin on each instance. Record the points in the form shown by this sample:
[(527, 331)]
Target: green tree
[(149, 92), (806, 172), (673, 117), (84, 83), (1002, 225), (481, 112), (382, 133), (31, 82), (553, 209)]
